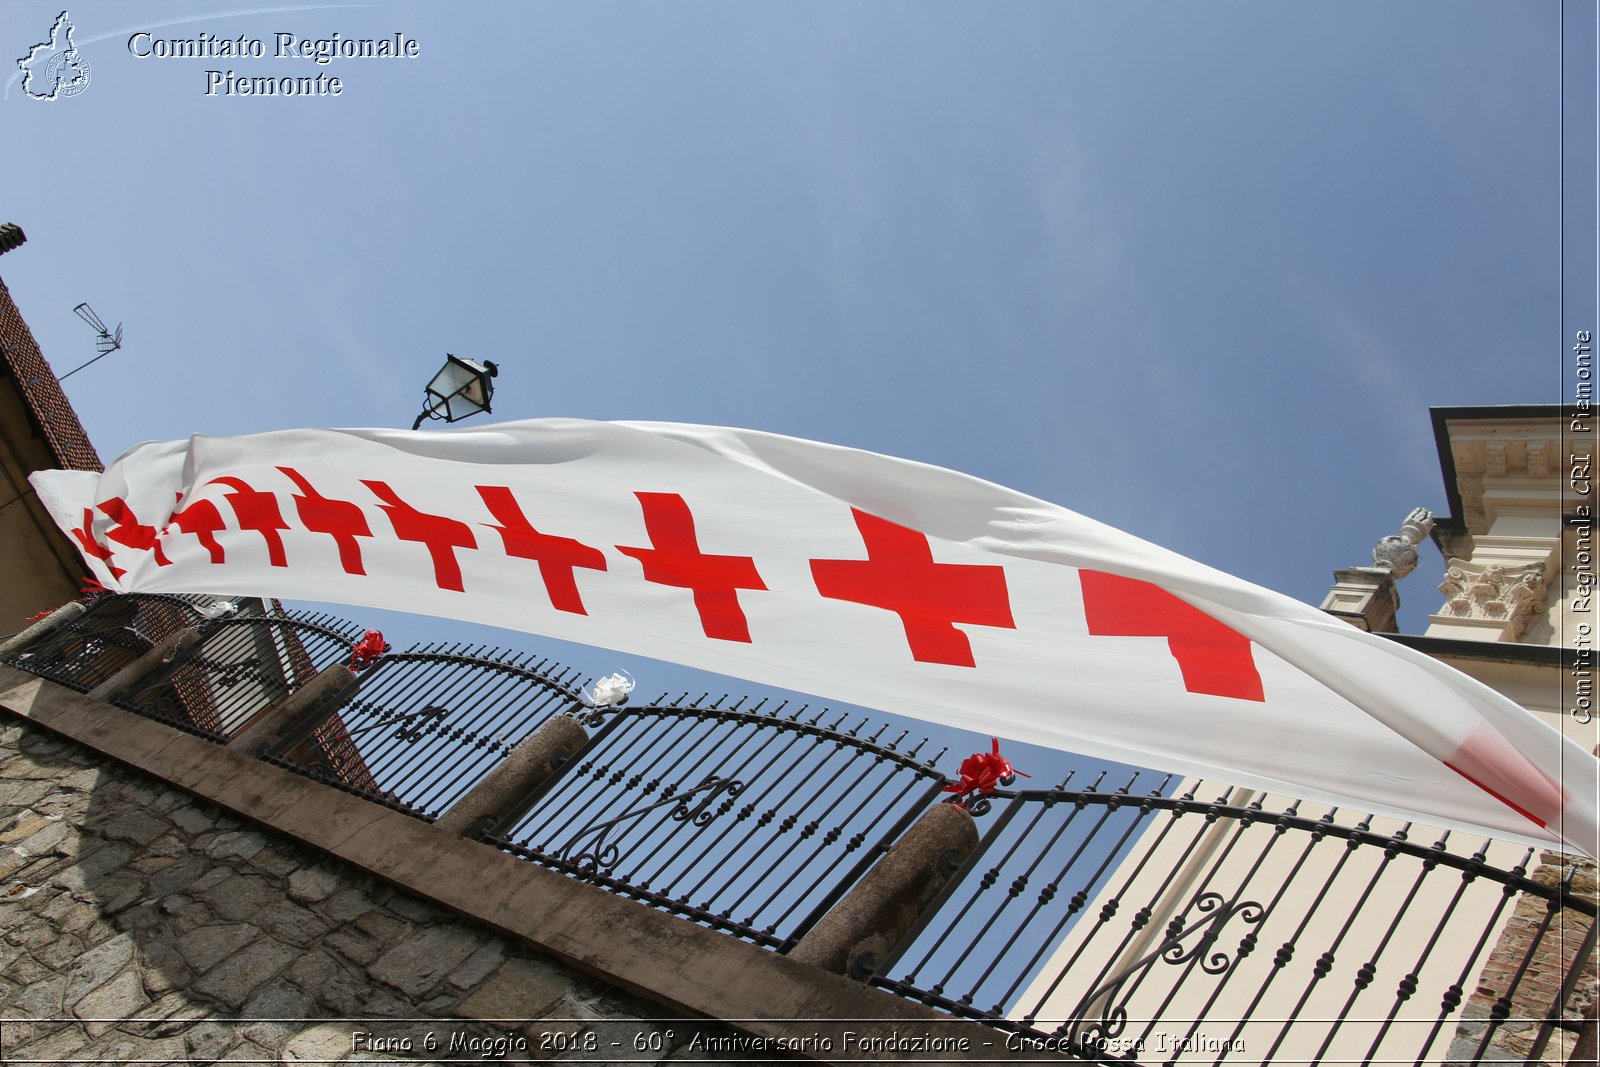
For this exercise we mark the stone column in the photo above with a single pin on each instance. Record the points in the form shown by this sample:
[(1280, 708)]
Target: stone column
[(44, 627), (496, 798), (146, 665), (884, 905), (301, 708)]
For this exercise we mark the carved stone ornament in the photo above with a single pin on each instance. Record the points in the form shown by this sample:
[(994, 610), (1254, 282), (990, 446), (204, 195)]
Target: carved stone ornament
[(1397, 553), (1494, 458), (1471, 489), (1539, 459), (1493, 592)]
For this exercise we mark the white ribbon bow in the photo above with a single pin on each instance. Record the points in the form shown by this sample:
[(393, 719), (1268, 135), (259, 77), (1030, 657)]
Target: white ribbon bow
[(611, 690)]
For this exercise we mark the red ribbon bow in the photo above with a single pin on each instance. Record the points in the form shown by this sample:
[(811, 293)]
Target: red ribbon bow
[(368, 649), (982, 773)]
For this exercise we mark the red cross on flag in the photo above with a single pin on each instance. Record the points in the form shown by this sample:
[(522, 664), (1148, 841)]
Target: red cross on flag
[(855, 576)]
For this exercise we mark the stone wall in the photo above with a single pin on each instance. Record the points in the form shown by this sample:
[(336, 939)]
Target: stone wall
[(1543, 970), (211, 864), (141, 923)]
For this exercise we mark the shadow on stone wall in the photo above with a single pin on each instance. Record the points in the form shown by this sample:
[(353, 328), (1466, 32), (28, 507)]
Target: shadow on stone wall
[(139, 923)]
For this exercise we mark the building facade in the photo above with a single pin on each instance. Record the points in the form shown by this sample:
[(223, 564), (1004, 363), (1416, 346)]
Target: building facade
[(1352, 937), (38, 431)]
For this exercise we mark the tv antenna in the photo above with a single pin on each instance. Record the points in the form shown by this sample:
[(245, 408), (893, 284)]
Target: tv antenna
[(107, 341)]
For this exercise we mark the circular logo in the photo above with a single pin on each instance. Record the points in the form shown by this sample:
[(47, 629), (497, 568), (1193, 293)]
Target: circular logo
[(67, 73)]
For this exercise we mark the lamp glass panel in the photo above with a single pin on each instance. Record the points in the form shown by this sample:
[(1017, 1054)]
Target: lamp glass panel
[(459, 389)]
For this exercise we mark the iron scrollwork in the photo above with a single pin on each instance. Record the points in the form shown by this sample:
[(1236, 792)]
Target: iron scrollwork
[(603, 855), (234, 672), (159, 700), (1216, 912), (84, 652), (1249, 911), (409, 727)]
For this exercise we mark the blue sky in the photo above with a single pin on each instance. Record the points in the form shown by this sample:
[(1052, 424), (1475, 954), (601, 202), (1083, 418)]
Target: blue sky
[(1197, 271)]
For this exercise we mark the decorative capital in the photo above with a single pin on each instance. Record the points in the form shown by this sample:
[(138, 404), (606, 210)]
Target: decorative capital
[(1494, 592)]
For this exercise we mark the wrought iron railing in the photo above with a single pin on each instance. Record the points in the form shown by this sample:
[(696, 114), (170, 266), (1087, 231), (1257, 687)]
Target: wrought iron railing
[(1126, 915), (751, 821), (112, 632), (427, 724), (241, 665), (1129, 924)]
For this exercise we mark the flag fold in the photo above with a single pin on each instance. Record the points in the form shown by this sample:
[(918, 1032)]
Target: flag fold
[(855, 576)]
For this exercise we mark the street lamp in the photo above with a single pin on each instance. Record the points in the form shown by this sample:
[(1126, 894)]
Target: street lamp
[(461, 388)]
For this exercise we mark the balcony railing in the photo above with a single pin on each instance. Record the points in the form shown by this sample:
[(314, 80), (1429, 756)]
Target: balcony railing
[(1140, 918)]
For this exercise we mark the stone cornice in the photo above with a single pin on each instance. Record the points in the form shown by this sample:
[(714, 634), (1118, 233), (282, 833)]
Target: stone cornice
[(1525, 450)]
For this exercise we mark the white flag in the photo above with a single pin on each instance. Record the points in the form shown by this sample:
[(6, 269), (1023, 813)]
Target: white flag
[(855, 576)]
